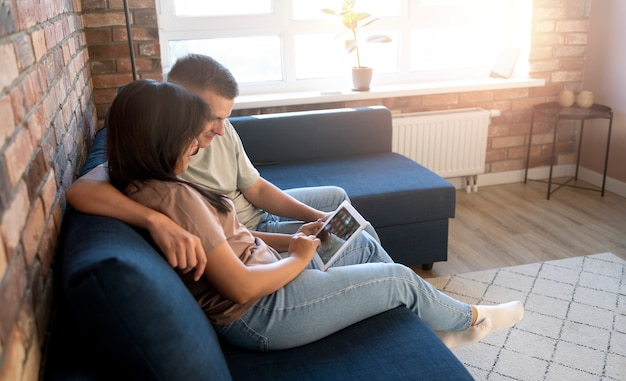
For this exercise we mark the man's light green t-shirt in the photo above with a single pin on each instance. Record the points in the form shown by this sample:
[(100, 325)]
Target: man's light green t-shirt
[(225, 168)]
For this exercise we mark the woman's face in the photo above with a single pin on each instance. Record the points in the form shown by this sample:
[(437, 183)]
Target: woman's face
[(183, 161)]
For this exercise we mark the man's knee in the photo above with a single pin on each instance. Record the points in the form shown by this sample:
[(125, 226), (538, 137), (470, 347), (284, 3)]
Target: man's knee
[(339, 192)]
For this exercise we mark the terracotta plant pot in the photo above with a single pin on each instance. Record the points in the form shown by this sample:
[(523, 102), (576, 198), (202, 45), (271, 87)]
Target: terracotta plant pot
[(361, 78)]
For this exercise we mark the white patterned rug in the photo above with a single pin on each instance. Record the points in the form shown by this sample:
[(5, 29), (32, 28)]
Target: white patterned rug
[(574, 327)]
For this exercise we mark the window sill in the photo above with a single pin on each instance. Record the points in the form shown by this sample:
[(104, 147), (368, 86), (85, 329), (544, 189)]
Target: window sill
[(379, 92)]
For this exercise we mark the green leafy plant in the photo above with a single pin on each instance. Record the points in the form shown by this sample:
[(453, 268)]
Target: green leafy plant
[(355, 21)]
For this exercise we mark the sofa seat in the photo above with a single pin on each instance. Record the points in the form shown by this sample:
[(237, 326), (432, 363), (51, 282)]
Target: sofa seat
[(381, 347)]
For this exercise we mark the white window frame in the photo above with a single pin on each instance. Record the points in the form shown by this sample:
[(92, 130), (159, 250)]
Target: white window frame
[(279, 23)]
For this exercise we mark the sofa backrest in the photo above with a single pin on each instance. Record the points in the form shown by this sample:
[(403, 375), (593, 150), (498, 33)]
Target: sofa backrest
[(130, 302), (315, 135)]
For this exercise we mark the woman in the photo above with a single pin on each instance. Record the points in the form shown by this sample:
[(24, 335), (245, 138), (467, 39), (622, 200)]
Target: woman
[(255, 298)]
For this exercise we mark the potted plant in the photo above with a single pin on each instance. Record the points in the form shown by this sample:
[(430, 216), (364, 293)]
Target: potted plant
[(355, 21)]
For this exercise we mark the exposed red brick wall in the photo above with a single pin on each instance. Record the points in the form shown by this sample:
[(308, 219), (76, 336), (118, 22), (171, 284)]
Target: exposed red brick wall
[(105, 29), (46, 116), (50, 54)]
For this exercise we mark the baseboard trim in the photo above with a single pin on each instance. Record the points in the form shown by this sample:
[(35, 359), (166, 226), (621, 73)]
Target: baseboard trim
[(612, 185)]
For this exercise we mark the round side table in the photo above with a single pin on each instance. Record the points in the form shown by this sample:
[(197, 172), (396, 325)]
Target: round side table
[(558, 113)]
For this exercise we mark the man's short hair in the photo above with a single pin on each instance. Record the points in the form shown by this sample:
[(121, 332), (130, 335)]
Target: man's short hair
[(200, 72)]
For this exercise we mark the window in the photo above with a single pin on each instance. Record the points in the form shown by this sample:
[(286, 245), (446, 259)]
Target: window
[(290, 45)]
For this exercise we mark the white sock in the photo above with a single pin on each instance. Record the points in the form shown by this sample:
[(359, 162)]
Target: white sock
[(489, 319), (500, 316)]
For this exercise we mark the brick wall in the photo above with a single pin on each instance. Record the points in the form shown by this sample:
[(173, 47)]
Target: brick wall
[(47, 112), (57, 79), (105, 29)]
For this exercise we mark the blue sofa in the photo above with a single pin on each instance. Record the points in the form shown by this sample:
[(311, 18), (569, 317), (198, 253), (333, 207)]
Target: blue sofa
[(408, 204), (124, 314)]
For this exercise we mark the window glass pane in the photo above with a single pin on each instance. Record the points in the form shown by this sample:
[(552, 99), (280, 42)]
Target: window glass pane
[(221, 7), (454, 48), (323, 55), (383, 57), (311, 10), (319, 55), (250, 59)]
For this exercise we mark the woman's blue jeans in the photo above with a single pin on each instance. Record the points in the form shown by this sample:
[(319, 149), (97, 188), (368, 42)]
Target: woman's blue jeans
[(361, 284)]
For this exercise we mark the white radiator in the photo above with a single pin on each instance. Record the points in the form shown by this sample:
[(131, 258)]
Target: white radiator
[(451, 143)]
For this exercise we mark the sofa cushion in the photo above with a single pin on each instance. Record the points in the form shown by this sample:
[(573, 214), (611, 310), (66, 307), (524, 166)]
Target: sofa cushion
[(97, 153), (395, 345), (130, 302), (376, 184)]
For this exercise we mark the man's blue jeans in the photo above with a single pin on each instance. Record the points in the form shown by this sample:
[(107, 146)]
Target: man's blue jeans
[(361, 284), (325, 199)]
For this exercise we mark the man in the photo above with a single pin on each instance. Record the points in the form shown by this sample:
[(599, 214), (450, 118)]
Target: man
[(224, 166), (221, 165)]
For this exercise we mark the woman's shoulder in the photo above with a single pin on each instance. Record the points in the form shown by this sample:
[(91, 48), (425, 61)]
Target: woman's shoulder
[(157, 189), (172, 198), (157, 185)]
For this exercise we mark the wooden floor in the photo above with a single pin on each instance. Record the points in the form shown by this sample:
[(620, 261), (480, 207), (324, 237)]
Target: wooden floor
[(514, 224)]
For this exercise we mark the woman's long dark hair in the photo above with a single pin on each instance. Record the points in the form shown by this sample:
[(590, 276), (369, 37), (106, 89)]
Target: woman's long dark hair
[(150, 125)]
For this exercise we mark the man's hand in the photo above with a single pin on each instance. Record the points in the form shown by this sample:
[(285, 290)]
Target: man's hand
[(182, 249), (311, 228)]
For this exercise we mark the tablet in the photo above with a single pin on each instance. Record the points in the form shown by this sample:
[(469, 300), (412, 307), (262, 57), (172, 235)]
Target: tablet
[(339, 230)]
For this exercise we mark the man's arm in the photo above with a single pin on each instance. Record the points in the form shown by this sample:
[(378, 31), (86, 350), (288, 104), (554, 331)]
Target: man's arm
[(267, 196), (93, 194)]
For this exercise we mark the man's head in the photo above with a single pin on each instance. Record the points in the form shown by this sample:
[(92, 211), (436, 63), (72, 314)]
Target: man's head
[(209, 79), (198, 72)]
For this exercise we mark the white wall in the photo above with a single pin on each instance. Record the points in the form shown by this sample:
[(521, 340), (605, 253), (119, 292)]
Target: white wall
[(605, 75)]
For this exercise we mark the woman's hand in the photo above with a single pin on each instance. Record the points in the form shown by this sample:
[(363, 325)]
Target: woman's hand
[(303, 246)]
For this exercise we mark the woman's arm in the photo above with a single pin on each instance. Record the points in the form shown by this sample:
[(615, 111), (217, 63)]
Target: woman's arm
[(93, 194), (240, 283), (280, 242)]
